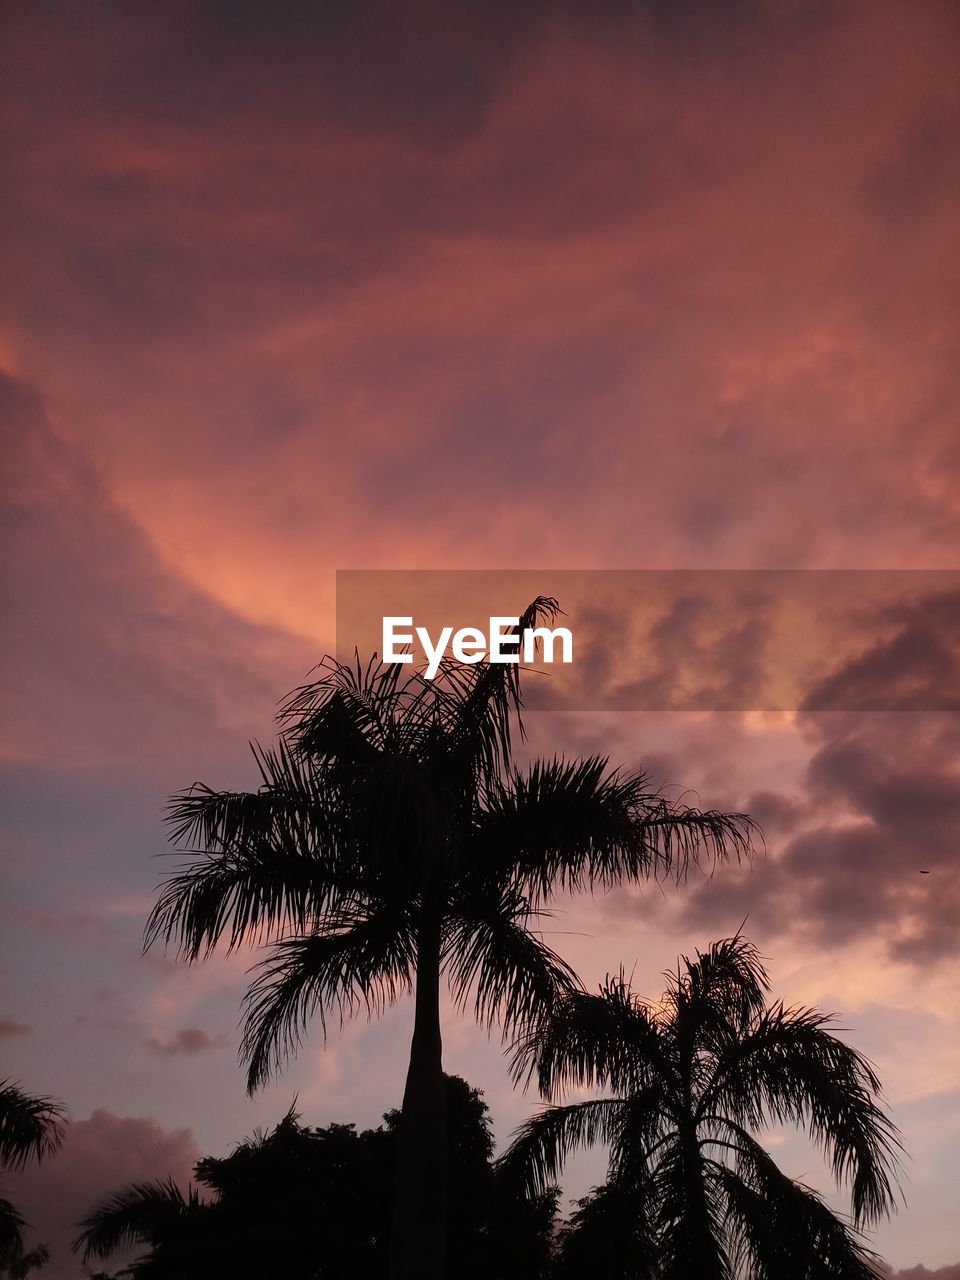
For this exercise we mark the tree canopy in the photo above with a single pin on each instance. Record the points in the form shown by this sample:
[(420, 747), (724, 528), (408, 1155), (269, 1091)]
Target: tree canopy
[(690, 1083), (305, 1203)]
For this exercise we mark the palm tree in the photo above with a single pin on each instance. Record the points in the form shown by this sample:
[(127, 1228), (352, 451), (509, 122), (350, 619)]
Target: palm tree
[(150, 1213), (392, 842), (694, 1078), (30, 1128)]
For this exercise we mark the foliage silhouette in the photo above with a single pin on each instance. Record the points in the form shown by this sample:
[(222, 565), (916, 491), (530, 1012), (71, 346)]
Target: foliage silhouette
[(608, 1237), (694, 1078), (31, 1128), (19, 1266), (305, 1204), (156, 1214), (393, 842)]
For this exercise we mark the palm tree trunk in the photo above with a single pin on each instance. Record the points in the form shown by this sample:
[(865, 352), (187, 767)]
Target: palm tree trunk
[(702, 1248), (419, 1237)]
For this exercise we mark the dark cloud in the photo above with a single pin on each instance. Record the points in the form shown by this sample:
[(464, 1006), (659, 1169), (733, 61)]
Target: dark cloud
[(660, 641), (189, 1040), (776, 814), (917, 667), (427, 72), (870, 848), (865, 845)]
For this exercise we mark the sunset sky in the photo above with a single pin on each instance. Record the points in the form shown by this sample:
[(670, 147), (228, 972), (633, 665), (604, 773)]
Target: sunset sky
[(311, 287)]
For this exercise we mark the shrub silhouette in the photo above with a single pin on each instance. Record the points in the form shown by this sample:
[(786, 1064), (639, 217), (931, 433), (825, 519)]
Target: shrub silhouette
[(304, 1203)]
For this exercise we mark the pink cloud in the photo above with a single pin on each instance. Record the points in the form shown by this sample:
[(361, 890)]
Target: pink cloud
[(90, 600), (668, 289), (100, 1155)]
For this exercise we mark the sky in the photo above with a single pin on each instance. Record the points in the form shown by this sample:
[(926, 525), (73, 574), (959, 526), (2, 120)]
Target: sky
[(605, 286)]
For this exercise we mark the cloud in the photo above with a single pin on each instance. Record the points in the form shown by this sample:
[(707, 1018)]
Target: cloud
[(618, 291), (100, 1155), (106, 651), (922, 1273), (189, 1040), (8, 1027), (858, 795), (915, 664), (869, 848)]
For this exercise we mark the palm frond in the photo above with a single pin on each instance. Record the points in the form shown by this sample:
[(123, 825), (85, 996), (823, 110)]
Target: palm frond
[(363, 960), (140, 1214), (12, 1224), (351, 713), (783, 1227), (540, 1146), (690, 1215), (791, 1069), (611, 1235), (724, 988), (489, 950), (30, 1127), (485, 700), (578, 824), (649, 1126), (18, 1265), (396, 747), (267, 861), (607, 1040)]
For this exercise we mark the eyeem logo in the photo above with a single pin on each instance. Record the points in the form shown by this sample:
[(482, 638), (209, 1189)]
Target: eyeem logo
[(499, 644)]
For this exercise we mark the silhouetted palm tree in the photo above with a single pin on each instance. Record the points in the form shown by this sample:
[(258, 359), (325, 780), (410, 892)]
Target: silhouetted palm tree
[(30, 1128), (146, 1213), (393, 841), (695, 1077)]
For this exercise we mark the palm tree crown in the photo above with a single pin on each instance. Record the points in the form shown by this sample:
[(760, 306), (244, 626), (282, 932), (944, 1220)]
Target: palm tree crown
[(394, 840), (693, 1079)]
